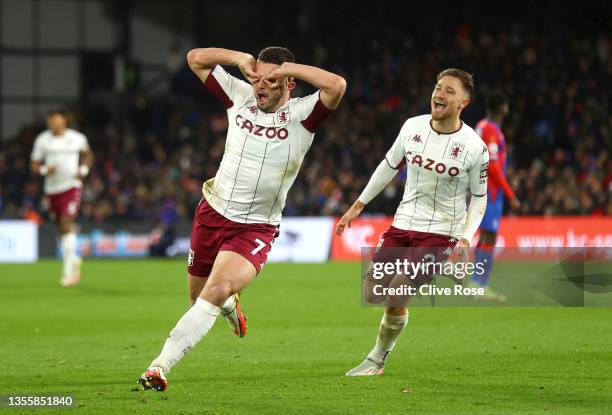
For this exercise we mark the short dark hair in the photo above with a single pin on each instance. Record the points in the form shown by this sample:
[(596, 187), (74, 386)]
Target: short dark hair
[(276, 54), (56, 111), (467, 80), (496, 100)]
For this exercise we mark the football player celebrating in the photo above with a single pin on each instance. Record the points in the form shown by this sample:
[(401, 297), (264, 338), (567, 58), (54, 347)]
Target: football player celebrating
[(445, 158), (238, 218)]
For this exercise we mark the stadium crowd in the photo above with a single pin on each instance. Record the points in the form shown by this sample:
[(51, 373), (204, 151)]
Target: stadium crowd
[(154, 152)]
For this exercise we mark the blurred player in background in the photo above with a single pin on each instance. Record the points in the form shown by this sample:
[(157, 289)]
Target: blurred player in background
[(238, 218), (445, 158), (490, 131), (63, 157)]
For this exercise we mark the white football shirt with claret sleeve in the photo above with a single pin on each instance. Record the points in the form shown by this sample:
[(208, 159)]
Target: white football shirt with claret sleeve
[(441, 168), (263, 151)]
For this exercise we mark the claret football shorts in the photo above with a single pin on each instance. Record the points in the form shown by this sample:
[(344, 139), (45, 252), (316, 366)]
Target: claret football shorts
[(211, 233), (65, 204)]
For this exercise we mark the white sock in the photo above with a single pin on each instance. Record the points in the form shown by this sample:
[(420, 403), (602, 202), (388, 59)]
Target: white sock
[(68, 244), (229, 305), (189, 330), (390, 329)]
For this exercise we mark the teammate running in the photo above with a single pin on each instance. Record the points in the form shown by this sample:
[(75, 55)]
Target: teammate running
[(445, 158), (63, 157)]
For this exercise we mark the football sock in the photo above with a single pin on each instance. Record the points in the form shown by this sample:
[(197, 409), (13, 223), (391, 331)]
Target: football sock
[(189, 330), (390, 329), (229, 305), (68, 242), (484, 255)]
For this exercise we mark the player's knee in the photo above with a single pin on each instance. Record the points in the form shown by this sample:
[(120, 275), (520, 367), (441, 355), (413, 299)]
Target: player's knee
[(64, 225), (218, 291), (372, 295), (493, 239), (374, 290), (487, 238)]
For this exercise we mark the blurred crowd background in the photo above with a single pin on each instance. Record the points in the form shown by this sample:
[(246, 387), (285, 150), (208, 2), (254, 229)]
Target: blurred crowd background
[(159, 140)]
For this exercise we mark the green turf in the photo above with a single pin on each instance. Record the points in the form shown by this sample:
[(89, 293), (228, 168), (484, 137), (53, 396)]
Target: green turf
[(306, 328)]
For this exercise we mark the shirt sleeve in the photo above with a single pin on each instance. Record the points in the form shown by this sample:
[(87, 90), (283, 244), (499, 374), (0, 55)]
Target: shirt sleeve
[(227, 88), (479, 171), (312, 112), (38, 151), (396, 156)]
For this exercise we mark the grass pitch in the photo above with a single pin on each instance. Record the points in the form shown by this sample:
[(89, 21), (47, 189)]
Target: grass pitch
[(306, 328)]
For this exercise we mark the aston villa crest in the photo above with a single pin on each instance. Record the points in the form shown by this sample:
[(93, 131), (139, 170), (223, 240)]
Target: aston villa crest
[(282, 116), (456, 150)]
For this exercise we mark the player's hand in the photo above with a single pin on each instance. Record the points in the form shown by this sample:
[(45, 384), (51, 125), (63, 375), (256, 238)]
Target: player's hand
[(353, 212), (462, 249), (83, 172), (50, 170), (276, 76), (247, 67), (515, 204)]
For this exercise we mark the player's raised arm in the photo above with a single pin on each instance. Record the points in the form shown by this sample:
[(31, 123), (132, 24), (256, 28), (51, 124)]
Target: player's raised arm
[(332, 86), (203, 60)]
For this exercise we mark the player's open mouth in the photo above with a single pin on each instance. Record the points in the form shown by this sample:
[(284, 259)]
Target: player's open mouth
[(439, 105), (262, 97)]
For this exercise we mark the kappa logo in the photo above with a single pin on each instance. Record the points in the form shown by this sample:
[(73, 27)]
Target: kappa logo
[(484, 149), (416, 138), (253, 109), (456, 150), (191, 257)]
